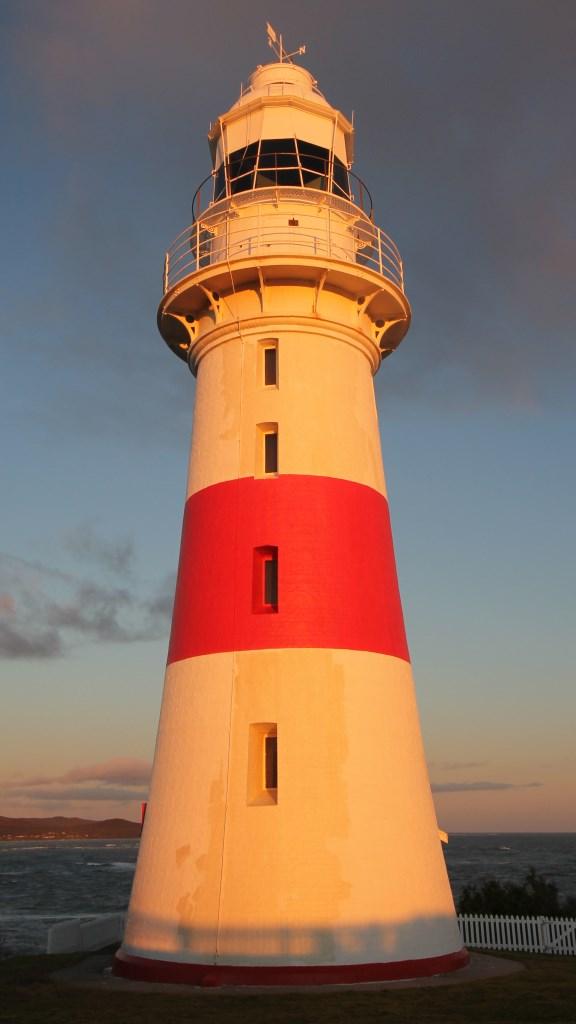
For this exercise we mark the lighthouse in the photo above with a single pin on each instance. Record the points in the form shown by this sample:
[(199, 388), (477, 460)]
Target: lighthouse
[(290, 835)]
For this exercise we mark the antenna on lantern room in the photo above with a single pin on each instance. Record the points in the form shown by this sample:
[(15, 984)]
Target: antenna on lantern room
[(275, 42)]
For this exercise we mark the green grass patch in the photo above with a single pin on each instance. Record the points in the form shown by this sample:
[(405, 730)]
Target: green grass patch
[(545, 992)]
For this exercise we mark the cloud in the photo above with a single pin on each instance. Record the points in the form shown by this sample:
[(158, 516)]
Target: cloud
[(94, 612), (117, 556), (162, 603), (484, 786), (44, 611), (19, 569), (453, 766), (120, 770), (118, 779), (476, 189), (20, 641), (80, 793)]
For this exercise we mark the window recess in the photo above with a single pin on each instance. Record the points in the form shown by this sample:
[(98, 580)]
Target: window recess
[(265, 583), (271, 451), (270, 366), (266, 449), (271, 581), (271, 763), (267, 363), (262, 764)]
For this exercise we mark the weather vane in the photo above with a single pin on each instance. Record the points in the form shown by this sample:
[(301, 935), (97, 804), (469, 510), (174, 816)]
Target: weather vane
[(275, 43)]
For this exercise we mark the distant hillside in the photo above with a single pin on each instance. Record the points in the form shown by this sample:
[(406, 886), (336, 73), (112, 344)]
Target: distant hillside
[(67, 828)]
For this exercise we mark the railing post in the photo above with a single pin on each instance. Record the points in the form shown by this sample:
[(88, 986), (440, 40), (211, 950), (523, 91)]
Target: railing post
[(380, 250), (166, 272), (197, 243)]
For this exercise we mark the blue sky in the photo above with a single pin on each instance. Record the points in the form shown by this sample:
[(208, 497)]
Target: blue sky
[(464, 119)]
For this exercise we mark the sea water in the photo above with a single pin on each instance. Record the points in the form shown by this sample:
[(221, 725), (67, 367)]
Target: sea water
[(42, 882)]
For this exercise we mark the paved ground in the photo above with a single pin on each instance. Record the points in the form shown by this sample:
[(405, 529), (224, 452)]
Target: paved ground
[(96, 972)]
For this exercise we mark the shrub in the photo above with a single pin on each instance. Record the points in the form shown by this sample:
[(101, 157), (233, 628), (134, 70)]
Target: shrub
[(533, 896)]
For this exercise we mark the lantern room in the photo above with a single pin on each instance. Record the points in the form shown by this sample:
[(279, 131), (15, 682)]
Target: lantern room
[(281, 132)]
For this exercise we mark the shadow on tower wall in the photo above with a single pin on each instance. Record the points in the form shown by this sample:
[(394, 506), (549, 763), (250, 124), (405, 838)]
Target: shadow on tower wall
[(162, 949)]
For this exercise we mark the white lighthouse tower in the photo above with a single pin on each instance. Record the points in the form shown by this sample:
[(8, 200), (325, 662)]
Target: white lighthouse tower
[(290, 835)]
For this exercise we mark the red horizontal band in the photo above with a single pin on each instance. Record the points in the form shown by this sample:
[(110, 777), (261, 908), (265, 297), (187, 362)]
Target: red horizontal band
[(337, 585), (144, 969)]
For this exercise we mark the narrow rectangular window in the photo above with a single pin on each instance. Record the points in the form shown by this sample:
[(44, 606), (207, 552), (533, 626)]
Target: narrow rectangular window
[(271, 762), (271, 452), (266, 452), (262, 764), (265, 584), (271, 366), (271, 580)]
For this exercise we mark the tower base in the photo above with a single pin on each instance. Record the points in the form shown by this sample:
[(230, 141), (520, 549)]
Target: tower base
[(139, 968)]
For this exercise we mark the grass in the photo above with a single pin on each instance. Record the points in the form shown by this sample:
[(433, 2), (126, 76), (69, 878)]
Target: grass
[(544, 992)]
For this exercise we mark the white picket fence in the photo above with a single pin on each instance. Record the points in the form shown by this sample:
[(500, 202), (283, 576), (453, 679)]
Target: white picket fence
[(523, 934)]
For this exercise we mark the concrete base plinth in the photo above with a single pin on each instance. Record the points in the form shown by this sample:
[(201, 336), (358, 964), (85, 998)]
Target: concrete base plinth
[(96, 972)]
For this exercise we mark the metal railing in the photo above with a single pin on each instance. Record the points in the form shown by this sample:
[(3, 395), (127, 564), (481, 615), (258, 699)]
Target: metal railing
[(284, 222), (281, 170)]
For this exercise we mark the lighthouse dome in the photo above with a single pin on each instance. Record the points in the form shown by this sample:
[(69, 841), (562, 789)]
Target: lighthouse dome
[(280, 79)]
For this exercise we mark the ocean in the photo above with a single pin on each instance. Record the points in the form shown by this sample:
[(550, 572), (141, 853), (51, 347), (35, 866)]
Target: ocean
[(42, 882)]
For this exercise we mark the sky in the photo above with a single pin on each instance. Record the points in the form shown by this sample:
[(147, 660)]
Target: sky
[(465, 137)]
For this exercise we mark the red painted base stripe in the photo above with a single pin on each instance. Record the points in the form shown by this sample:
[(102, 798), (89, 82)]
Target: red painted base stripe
[(337, 584), (143, 969)]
